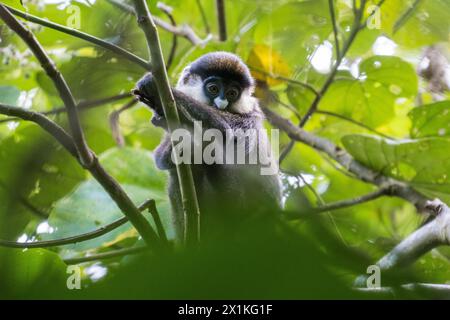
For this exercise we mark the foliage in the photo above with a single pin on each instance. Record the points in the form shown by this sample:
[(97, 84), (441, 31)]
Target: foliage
[(376, 85)]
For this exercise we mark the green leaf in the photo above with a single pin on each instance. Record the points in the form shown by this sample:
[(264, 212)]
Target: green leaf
[(424, 163), (304, 24), (431, 120), (90, 207), (29, 273), (9, 95), (371, 97)]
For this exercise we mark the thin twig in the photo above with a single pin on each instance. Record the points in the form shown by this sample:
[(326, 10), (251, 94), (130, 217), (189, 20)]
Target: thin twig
[(288, 80), (87, 37), (83, 105), (185, 177), (59, 82), (157, 219), (221, 20), (431, 235), (45, 123), (74, 239), (398, 188), (358, 25), (352, 202), (24, 202), (426, 290), (335, 29), (106, 255), (359, 124), (168, 11), (203, 14), (115, 125), (184, 31), (85, 156)]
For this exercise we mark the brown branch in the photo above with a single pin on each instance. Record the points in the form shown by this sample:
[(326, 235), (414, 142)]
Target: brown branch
[(47, 64), (115, 125), (81, 35), (359, 124), (427, 290), (24, 202), (433, 234), (186, 180), (184, 31), (74, 239), (358, 25), (157, 219), (83, 105), (168, 11), (221, 20), (86, 157), (352, 202), (106, 255), (364, 173), (45, 123), (288, 80), (204, 19), (335, 29)]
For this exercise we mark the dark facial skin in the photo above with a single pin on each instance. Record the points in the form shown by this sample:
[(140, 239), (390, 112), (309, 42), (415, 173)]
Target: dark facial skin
[(222, 93)]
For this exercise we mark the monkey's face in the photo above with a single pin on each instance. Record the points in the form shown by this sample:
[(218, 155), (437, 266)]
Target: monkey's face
[(220, 80), (221, 92)]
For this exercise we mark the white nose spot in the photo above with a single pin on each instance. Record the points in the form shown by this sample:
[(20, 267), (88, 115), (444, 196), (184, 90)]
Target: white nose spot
[(220, 103)]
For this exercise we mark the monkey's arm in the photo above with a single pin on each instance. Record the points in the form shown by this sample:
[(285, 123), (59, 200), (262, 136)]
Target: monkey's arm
[(163, 153), (189, 109)]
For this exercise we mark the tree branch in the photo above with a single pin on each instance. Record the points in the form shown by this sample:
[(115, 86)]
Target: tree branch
[(47, 64), (358, 25), (433, 234), (365, 174), (351, 202), (335, 29), (114, 122), (24, 202), (168, 11), (83, 105), (106, 255), (221, 20), (288, 80), (428, 290), (359, 124), (81, 35), (186, 181), (157, 219), (184, 31), (204, 19), (86, 157), (74, 239), (45, 123)]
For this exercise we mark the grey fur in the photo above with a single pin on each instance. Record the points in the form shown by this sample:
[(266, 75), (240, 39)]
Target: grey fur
[(227, 193)]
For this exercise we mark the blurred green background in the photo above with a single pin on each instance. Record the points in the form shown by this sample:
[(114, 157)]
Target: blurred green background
[(45, 194)]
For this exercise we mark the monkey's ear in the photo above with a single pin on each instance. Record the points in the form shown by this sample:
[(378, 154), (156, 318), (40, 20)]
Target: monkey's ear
[(185, 76)]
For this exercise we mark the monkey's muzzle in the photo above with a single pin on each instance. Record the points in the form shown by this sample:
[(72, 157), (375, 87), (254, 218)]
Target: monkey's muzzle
[(220, 103)]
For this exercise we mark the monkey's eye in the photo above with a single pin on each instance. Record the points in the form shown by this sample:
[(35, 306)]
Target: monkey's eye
[(212, 88), (232, 94)]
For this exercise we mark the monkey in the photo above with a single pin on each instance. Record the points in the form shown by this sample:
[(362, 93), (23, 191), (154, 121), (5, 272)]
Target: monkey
[(217, 90)]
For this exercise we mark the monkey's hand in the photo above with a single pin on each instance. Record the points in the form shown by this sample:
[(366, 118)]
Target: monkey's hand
[(147, 93)]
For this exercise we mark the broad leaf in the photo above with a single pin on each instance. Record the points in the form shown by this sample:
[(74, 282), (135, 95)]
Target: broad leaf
[(90, 207), (30, 273), (424, 163), (371, 97), (431, 120)]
